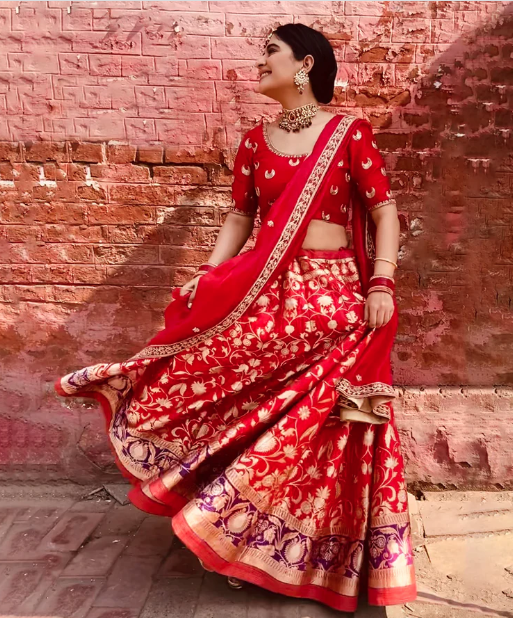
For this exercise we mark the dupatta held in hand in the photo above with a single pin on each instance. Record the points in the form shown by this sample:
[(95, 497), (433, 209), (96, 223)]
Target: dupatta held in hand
[(245, 276)]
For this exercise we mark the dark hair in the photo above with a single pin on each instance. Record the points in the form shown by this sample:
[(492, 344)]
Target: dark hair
[(304, 41)]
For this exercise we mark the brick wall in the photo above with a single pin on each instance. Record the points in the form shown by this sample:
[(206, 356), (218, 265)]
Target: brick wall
[(119, 125)]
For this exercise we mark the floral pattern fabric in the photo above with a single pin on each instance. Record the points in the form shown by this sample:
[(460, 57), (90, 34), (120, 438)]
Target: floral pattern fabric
[(247, 441)]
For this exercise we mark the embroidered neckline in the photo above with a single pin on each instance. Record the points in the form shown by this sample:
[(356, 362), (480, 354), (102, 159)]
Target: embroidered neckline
[(277, 152)]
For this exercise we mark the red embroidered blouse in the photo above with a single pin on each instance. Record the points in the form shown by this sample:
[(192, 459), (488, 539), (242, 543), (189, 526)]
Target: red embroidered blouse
[(261, 173)]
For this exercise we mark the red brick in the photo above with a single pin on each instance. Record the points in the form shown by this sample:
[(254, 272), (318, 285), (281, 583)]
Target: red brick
[(121, 214), (185, 175), (108, 43), (140, 275), (91, 192), (51, 274), (136, 254), (77, 19), (150, 154), (121, 153), (87, 152), (162, 44), (137, 66), (142, 194), (71, 64), (182, 256), (73, 233), (9, 152), (121, 173)]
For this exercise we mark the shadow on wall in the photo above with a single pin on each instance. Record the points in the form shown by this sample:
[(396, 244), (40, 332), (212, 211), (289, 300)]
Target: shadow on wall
[(451, 169)]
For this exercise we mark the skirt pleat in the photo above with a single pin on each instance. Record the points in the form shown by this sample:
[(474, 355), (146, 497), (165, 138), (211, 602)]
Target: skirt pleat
[(273, 445)]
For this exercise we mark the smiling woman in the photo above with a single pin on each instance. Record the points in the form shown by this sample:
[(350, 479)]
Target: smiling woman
[(260, 419)]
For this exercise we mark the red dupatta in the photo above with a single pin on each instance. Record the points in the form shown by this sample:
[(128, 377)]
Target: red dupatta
[(224, 294)]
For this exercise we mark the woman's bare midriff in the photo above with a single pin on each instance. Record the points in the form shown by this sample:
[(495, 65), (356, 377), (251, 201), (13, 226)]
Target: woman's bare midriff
[(325, 235)]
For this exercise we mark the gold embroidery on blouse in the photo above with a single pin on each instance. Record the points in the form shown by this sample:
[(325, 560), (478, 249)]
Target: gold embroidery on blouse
[(248, 143), (296, 217), (367, 164), (371, 193), (325, 216), (333, 190), (388, 194), (270, 223), (357, 136), (341, 163), (348, 177), (374, 145), (383, 171), (273, 149), (270, 174), (343, 208), (246, 170), (384, 203), (257, 164), (294, 162), (257, 191)]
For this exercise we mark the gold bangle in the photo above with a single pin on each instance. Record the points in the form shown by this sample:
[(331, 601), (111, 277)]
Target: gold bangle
[(380, 288), (386, 260), (384, 277)]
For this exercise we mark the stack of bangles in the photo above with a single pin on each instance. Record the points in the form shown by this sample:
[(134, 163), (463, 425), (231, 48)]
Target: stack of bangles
[(382, 283), (205, 268)]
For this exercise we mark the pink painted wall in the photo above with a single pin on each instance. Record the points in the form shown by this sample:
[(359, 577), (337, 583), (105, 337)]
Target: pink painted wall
[(119, 125)]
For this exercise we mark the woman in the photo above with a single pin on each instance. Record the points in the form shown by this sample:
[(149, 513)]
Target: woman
[(260, 418)]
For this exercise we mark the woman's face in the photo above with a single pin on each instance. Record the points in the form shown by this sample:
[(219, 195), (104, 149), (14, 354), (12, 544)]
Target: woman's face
[(277, 67)]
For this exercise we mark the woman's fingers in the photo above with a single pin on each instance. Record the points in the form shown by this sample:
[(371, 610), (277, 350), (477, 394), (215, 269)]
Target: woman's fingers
[(193, 294)]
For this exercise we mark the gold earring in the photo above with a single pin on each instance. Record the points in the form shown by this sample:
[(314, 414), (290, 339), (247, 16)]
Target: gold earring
[(301, 79)]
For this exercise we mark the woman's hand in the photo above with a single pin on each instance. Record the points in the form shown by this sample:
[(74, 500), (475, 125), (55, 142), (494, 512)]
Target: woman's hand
[(190, 287), (379, 309)]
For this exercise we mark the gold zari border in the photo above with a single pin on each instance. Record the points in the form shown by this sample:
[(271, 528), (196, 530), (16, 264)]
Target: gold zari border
[(298, 214)]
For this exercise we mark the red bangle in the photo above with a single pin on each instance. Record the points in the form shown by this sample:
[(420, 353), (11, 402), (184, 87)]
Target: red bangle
[(203, 269), (378, 280)]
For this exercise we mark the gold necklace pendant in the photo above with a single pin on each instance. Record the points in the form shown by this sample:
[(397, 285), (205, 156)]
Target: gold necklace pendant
[(298, 118)]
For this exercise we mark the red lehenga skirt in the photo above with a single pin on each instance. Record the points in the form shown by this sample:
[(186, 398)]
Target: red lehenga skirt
[(267, 474)]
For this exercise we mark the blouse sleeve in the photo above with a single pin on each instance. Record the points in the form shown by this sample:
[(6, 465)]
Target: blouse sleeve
[(244, 198), (367, 168)]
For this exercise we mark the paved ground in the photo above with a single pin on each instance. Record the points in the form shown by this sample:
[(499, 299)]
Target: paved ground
[(66, 555)]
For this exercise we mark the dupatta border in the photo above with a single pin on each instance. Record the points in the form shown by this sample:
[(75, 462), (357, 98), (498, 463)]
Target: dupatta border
[(296, 217)]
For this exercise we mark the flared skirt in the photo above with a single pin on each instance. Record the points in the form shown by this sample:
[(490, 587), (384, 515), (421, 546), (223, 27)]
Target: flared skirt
[(272, 446)]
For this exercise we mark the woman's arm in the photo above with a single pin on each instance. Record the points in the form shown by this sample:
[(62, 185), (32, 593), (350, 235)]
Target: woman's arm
[(387, 238), (232, 237)]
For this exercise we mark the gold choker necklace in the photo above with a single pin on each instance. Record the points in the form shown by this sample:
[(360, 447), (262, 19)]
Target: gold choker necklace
[(297, 118)]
